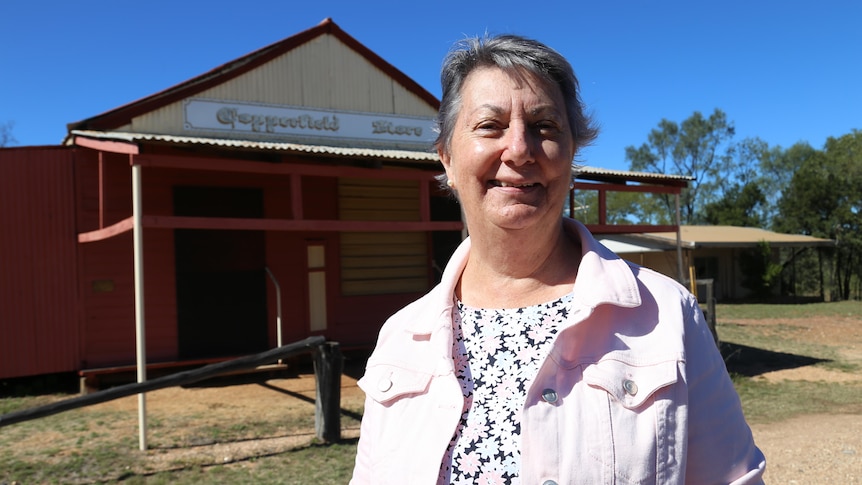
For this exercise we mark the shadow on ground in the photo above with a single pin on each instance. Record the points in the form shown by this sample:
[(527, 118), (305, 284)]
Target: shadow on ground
[(751, 361)]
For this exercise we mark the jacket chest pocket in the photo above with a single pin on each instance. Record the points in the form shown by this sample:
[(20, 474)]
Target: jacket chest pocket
[(412, 416), (385, 383), (636, 405)]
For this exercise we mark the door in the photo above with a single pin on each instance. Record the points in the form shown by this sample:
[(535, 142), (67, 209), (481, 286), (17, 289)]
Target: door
[(221, 281)]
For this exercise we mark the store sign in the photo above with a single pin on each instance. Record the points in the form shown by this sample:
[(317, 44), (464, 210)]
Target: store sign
[(281, 121)]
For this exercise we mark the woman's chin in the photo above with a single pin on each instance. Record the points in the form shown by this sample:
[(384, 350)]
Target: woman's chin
[(517, 217)]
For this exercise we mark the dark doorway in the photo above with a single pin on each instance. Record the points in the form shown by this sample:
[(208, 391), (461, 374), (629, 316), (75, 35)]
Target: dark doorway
[(221, 281)]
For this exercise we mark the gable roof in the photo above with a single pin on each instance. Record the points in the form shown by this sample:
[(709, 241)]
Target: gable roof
[(124, 114)]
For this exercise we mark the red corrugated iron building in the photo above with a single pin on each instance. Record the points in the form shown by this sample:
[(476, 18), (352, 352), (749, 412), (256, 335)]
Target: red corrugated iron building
[(346, 224), (300, 174), (39, 285)]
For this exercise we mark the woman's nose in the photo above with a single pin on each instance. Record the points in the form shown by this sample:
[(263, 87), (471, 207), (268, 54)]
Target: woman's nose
[(518, 145)]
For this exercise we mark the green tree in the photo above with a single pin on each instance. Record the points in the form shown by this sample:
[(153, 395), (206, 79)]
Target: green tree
[(777, 167), (699, 147), (761, 275), (622, 208), (639, 208), (585, 206), (824, 199), (741, 205)]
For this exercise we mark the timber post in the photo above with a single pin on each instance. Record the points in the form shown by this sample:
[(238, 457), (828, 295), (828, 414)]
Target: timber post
[(328, 365)]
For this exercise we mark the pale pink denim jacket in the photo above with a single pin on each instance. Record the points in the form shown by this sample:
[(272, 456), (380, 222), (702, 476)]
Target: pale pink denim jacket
[(634, 390)]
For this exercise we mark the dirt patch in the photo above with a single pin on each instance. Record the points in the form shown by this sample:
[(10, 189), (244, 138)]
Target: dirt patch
[(819, 448), (812, 374), (842, 334), (845, 333), (810, 449), (228, 404)]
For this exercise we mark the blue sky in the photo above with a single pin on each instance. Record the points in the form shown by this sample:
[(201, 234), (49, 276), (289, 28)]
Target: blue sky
[(783, 71)]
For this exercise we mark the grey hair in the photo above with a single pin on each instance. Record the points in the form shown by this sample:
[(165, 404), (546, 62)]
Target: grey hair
[(510, 53)]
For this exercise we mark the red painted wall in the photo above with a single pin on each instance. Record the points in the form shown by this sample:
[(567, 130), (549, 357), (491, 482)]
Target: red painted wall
[(67, 306), (107, 272), (38, 269)]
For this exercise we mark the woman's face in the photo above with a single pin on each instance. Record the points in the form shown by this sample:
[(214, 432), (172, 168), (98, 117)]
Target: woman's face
[(511, 150)]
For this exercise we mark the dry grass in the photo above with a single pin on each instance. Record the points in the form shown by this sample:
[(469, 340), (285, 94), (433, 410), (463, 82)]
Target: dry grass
[(229, 430), (791, 365)]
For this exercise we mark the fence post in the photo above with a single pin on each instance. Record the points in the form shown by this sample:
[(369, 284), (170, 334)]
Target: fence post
[(328, 365)]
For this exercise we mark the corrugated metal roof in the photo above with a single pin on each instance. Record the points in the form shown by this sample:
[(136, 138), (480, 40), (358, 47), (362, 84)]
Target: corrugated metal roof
[(260, 145), (632, 175), (722, 236), (585, 172)]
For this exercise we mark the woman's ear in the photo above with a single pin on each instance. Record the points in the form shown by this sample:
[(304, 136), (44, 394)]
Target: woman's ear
[(446, 160)]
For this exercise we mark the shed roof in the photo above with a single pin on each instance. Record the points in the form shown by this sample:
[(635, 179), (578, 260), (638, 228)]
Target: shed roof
[(298, 148), (694, 237), (622, 177)]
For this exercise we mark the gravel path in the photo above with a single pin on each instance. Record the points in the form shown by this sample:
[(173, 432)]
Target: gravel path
[(812, 449)]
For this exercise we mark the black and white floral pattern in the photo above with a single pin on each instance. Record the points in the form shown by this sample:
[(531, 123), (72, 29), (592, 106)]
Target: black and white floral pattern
[(497, 353)]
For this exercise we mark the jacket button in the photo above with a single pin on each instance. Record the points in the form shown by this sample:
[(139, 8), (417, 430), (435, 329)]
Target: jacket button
[(549, 395), (630, 386), (549, 482), (384, 385)]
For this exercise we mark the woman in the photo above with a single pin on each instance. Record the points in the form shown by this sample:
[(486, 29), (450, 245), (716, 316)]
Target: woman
[(541, 357)]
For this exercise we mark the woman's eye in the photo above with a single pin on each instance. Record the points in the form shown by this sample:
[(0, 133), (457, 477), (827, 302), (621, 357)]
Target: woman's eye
[(547, 128), (488, 128)]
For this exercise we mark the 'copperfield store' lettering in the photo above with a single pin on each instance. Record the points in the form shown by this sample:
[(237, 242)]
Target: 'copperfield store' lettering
[(284, 121), (232, 116)]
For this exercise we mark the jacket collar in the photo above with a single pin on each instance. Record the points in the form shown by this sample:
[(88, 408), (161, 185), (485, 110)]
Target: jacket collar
[(603, 278), (438, 303)]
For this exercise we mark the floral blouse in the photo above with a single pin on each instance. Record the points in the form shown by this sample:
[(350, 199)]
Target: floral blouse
[(497, 353)]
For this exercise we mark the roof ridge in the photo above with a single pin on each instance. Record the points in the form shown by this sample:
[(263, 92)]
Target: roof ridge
[(123, 114)]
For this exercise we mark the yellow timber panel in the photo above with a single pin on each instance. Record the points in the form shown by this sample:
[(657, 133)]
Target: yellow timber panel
[(381, 262), (378, 200), (374, 263), (317, 301)]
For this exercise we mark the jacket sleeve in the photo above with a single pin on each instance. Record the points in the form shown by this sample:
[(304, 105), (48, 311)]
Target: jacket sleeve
[(721, 447), (362, 467)]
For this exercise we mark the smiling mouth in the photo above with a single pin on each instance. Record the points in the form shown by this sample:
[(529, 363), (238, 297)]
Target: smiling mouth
[(497, 183)]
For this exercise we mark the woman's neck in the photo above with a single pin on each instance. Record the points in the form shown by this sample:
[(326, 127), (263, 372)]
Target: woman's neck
[(519, 268)]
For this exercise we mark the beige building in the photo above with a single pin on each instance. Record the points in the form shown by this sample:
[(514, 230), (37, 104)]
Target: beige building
[(711, 251)]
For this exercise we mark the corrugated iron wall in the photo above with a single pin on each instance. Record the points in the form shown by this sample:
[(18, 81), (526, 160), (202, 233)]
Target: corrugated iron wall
[(323, 73), (38, 270)]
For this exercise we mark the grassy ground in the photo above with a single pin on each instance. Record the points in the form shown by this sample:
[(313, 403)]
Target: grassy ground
[(792, 341), (99, 444), (733, 312)]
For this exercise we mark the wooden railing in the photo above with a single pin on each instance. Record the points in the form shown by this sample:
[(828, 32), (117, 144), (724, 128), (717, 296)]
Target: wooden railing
[(328, 365)]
